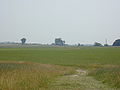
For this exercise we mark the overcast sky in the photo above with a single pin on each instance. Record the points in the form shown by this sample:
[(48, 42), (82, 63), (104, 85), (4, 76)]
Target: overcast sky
[(75, 21)]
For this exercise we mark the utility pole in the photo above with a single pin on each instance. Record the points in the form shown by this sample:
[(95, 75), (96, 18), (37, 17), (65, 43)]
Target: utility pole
[(106, 41)]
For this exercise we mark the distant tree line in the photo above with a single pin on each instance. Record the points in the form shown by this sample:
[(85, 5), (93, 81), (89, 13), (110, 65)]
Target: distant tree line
[(60, 42)]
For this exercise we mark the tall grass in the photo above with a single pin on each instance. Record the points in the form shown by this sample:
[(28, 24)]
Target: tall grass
[(29, 76), (108, 75), (104, 60)]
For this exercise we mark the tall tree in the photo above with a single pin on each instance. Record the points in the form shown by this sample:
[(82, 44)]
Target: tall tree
[(23, 40)]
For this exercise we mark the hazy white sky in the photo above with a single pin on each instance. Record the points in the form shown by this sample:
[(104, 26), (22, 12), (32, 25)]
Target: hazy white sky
[(76, 21)]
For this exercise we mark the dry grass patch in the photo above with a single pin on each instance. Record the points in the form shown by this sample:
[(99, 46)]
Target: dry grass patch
[(29, 76)]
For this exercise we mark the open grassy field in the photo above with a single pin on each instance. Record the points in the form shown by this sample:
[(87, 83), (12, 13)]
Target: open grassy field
[(102, 63), (63, 56)]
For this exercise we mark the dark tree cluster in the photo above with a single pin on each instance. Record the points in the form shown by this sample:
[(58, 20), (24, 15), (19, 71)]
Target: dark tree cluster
[(97, 44), (59, 42), (23, 40), (117, 42)]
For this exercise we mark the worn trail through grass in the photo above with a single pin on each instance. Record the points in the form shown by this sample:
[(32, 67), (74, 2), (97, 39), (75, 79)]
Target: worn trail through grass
[(78, 81)]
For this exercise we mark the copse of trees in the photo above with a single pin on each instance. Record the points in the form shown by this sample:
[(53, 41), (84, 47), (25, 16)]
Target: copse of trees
[(23, 40), (97, 44), (116, 42), (79, 44), (60, 42), (106, 45)]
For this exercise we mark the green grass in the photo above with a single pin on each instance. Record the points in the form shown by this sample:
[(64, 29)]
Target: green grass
[(102, 62), (109, 75), (63, 56)]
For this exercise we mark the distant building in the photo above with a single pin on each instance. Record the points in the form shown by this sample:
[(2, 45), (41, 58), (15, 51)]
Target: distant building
[(59, 42)]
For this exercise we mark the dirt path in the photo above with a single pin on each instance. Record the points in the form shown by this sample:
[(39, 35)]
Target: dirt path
[(78, 81)]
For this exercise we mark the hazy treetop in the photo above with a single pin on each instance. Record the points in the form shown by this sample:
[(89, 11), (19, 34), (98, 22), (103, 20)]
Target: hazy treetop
[(76, 21)]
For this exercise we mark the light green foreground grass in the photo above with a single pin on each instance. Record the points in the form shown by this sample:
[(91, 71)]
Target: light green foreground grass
[(36, 76), (103, 63)]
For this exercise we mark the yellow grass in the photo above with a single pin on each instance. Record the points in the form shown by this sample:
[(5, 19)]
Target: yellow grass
[(29, 76)]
